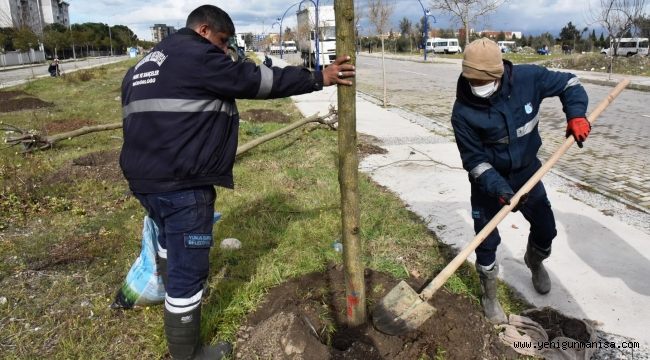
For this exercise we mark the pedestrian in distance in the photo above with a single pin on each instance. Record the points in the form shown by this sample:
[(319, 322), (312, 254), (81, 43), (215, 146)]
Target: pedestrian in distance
[(54, 68), (495, 119), (180, 125), (267, 60)]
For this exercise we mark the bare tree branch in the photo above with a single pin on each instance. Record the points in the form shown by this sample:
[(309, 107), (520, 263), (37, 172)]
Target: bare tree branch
[(33, 141), (467, 11), (379, 12), (618, 17)]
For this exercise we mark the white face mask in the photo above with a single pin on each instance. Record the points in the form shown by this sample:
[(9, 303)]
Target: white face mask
[(485, 91)]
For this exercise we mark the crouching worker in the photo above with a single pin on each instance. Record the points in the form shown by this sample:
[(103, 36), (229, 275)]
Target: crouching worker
[(495, 120), (180, 124), (54, 69)]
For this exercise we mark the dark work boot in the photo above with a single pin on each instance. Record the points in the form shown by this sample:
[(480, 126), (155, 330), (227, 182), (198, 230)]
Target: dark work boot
[(533, 259), (161, 267), (183, 337), (491, 307)]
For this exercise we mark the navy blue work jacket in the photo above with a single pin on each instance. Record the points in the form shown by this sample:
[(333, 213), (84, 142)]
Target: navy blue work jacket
[(179, 112), (498, 137)]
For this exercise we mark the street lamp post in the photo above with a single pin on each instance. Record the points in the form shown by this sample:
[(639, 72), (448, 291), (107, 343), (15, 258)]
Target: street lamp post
[(281, 20), (317, 65), (427, 14), (272, 26)]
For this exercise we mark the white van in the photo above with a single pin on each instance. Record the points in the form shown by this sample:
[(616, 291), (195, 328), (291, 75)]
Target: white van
[(430, 44), (507, 46), (629, 47), (446, 46)]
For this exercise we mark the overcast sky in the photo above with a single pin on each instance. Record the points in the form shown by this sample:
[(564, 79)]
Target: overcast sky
[(528, 16)]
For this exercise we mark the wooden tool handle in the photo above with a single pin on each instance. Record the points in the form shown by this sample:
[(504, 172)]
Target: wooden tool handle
[(444, 275)]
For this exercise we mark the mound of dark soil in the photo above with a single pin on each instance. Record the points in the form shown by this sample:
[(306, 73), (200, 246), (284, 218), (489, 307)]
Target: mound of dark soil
[(366, 145), (296, 321), (264, 115), (101, 165), (20, 100), (558, 325)]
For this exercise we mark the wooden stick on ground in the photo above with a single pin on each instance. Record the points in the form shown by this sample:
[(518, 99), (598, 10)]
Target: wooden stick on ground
[(32, 142)]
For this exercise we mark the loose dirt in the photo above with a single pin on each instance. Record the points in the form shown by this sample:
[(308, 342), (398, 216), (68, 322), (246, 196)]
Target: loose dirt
[(366, 145), (558, 325), (19, 100), (264, 115), (101, 165), (55, 127), (303, 319)]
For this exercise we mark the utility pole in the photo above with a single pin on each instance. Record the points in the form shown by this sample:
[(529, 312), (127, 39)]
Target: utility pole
[(349, 172)]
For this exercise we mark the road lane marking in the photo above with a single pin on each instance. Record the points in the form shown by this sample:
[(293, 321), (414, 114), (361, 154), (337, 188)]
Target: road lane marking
[(416, 73)]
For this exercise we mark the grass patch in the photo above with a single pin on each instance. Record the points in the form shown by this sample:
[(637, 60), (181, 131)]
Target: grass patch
[(633, 65), (67, 241)]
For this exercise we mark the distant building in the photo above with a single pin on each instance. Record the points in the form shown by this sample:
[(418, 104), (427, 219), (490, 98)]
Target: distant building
[(35, 14), (161, 31), (495, 34)]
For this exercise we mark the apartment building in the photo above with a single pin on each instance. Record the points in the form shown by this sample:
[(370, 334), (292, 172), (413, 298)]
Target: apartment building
[(161, 31), (36, 14)]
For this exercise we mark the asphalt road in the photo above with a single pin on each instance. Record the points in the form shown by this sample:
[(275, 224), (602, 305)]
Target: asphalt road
[(11, 76)]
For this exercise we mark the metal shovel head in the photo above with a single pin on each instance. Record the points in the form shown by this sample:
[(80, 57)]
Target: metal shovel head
[(401, 311)]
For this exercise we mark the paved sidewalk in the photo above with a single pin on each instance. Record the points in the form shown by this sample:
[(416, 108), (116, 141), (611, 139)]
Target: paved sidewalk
[(599, 263)]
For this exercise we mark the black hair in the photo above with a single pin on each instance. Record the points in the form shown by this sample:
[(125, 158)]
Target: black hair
[(217, 19)]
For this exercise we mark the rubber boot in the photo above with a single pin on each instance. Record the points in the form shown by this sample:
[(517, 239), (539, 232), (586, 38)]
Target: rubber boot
[(491, 307), (161, 267), (183, 337), (533, 259)]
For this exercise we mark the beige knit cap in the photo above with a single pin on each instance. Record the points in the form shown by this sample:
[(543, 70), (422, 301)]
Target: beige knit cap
[(482, 60)]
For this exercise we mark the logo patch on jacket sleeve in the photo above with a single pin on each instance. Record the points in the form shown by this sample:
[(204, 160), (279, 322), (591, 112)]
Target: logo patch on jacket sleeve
[(198, 241), (529, 108)]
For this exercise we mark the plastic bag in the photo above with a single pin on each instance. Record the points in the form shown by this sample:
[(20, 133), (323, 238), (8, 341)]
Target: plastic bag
[(143, 285)]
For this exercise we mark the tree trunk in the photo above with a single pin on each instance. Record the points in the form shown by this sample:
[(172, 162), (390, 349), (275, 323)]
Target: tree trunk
[(348, 172), (383, 70)]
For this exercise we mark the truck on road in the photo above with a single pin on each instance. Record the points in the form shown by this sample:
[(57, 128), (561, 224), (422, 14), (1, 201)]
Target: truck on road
[(325, 33)]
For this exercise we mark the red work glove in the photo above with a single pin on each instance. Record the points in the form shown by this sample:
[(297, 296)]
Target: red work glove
[(578, 127), (504, 199)]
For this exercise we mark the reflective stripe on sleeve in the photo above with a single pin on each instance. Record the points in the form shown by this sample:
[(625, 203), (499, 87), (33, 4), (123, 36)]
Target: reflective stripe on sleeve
[(480, 169), (266, 83), (572, 82), (528, 127), (177, 105)]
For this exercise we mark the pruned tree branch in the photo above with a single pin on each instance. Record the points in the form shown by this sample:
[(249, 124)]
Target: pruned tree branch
[(31, 141), (329, 119)]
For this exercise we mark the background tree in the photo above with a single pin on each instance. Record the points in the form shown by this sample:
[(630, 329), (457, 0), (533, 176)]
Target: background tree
[(618, 17), (406, 30), (642, 26), (379, 12), (55, 37), (467, 12), (3, 39), (569, 35), (24, 39), (545, 39)]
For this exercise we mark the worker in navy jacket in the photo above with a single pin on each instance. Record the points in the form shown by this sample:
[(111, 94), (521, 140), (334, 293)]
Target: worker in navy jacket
[(180, 138), (495, 120)]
